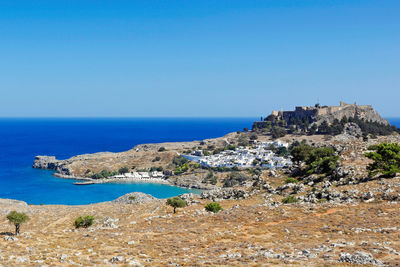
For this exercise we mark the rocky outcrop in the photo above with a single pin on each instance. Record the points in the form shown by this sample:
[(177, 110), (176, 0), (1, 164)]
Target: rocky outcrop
[(134, 198), (352, 129), (190, 181), (51, 163), (220, 194), (365, 112), (7, 205), (318, 114), (190, 198), (46, 162), (359, 257)]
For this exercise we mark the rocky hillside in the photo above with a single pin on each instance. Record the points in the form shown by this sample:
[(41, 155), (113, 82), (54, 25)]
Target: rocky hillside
[(332, 120), (271, 217), (252, 230)]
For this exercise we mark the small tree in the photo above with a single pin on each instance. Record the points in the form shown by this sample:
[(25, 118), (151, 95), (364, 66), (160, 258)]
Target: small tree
[(213, 207), (84, 221), (123, 170), (176, 202), (17, 218), (386, 157)]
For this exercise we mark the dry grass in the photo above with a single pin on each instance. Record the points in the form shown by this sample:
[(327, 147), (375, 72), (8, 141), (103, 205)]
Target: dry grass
[(195, 238)]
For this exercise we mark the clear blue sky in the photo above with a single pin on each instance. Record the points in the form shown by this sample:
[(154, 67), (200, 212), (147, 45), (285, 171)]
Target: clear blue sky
[(196, 58)]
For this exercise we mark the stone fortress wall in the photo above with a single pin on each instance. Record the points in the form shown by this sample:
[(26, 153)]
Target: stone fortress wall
[(318, 114)]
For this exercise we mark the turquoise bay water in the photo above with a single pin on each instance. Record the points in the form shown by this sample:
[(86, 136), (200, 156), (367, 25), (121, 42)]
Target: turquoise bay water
[(22, 139)]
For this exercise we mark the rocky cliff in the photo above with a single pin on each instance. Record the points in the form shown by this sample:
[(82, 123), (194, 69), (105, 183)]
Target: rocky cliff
[(318, 114), (51, 163)]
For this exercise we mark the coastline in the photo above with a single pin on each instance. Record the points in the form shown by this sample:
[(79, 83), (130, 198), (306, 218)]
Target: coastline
[(114, 180), (88, 181)]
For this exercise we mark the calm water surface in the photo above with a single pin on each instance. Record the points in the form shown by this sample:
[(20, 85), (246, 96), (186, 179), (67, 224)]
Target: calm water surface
[(22, 139)]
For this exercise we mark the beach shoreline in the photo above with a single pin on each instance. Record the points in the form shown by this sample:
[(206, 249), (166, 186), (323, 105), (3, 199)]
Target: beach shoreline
[(114, 180)]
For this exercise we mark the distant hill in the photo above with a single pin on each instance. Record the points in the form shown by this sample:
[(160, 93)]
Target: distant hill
[(326, 120)]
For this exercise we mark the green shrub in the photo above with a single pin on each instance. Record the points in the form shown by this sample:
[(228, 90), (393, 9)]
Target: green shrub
[(123, 170), (17, 218), (162, 149), (386, 159), (159, 169), (291, 181), (156, 159), (213, 207), (84, 221), (289, 199), (206, 152), (230, 147), (104, 174), (176, 202), (210, 178), (320, 160), (182, 169), (131, 198), (179, 160), (277, 132), (235, 178), (253, 137)]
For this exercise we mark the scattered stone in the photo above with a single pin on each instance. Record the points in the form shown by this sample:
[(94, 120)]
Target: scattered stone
[(220, 194), (10, 238), (116, 259), (190, 198), (359, 258)]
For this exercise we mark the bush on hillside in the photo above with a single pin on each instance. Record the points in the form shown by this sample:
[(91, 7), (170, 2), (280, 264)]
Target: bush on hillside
[(123, 170), (17, 218), (213, 207), (235, 178), (176, 202), (84, 221), (289, 199), (386, 159), (278, 131), (320, 160), (291, 181)]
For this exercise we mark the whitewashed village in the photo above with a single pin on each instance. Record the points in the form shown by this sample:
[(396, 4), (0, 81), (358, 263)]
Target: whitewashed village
[(140, 175), (244, 157), (260, 154)]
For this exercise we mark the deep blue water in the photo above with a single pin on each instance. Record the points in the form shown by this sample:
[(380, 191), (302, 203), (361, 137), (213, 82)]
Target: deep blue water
[(22, 139)]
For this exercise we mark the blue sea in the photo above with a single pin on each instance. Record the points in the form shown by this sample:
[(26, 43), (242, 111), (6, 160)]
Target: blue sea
[(22, 139)]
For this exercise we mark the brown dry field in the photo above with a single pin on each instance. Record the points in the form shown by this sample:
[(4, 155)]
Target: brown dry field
[(193, 237)]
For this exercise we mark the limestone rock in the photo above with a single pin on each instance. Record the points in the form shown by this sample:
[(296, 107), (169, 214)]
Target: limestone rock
[(133, 198), (359, 258)]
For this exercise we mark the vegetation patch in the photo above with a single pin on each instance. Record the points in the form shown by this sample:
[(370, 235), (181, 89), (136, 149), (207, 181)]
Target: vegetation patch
[(84, 221), (213, 207), (176, 202), (319, 160), (17, 218), (210, 178), (386, 159), (289, 199), (103, 174), (235, 178), (123, 170), (291, 181)]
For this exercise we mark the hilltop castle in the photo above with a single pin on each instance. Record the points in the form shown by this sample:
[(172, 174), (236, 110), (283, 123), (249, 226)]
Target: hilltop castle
[(317, 114)]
